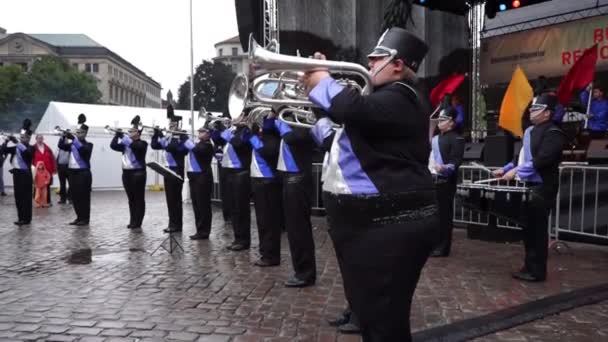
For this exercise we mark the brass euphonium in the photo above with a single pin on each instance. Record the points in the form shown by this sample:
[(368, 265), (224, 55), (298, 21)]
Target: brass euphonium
[(270, 63)]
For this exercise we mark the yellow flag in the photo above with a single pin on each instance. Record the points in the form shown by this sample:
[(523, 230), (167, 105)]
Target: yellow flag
[(517, 98)]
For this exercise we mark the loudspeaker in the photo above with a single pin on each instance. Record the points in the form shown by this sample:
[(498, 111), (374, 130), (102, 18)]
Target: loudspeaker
[(498, 150), (597, 152), (249, 18), (473, 151)]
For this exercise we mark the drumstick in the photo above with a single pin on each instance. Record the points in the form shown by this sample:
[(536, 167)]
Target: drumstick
[(481, 167)]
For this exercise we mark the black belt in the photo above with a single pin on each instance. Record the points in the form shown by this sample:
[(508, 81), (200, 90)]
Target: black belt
[(377, 210), (78, 170), (133, 170)]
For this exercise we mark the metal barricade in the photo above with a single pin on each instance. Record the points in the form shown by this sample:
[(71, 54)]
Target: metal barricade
[(581, 200)]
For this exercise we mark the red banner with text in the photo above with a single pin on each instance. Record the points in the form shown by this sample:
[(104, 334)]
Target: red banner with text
[(550, 51)]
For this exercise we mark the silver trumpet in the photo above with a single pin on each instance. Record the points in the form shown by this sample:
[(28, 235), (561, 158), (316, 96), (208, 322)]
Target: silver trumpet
[(164, 130), (60, 131), (108, 129), (6, 135)]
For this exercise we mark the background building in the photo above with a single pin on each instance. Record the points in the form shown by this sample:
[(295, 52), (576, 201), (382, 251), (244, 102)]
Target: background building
[(120, 82), (230, 52)]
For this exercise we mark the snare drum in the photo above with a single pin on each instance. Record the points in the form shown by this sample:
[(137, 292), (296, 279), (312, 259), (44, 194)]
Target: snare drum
[(502, 199)]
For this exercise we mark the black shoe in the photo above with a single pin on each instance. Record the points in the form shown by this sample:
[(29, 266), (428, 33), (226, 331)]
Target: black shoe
[(526, 276), (295, 282), (266, 263), (237, 247), (130, 226), (2, 194), (439, 254), (349, 328), (199, 237), (172, 230), (82, 223), (339, 321), (19, 223), (73, 223)]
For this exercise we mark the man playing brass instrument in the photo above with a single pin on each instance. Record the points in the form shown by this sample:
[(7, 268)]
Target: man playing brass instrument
[(21, 154), (175, 153), (266, 189), (133, 170), (79, 170), (201, 181), (235, 163), (378, 191)]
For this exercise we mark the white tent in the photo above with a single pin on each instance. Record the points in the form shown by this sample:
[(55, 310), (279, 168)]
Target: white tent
[(105, 163)]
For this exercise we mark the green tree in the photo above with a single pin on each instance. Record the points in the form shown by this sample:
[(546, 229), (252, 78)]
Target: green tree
[(28, 93), (56, 80), (211, 86), (15, 87)]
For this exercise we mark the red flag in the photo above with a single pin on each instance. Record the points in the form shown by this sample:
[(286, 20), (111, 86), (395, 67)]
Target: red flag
[(447, 86), (579, 76)]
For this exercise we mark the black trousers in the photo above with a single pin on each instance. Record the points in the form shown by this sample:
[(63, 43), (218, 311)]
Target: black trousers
[(536, 235), (80, 189), (201, 186), (62, 174), (134, 182), (173, 195), (225, 194), (239, 185), (445, 201), (381, 257), (23, 183), (266, 199), (297, 204)]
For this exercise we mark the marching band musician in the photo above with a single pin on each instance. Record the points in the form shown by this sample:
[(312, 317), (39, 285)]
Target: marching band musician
[(538, 166), (134, 175), (347, 323), (79, 170), (295, 166), (447, 151), (201, 181), (175, 153), (21, 158), (378, 191), (235, 163), (266, 189)]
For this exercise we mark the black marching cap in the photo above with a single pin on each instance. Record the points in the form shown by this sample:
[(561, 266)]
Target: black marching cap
[(403, 45), (26, 128), (448, 113), (544, 101), (171, 115), (81, 120), (135, 123)]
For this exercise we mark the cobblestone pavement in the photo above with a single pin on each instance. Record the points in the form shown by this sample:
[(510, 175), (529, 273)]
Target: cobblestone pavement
[(210, 294)]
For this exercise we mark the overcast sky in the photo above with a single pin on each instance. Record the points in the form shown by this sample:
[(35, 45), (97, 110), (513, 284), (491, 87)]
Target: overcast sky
[(154, 35)]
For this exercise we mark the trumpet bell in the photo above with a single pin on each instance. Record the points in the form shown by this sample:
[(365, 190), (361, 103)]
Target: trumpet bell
[(237, 96)]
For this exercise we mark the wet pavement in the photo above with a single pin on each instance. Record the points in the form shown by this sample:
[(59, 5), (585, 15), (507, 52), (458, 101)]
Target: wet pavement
[(210, 294)]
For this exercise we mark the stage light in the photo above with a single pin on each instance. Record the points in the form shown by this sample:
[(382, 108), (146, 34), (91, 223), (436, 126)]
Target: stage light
[(502, 7), (516, 4)]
